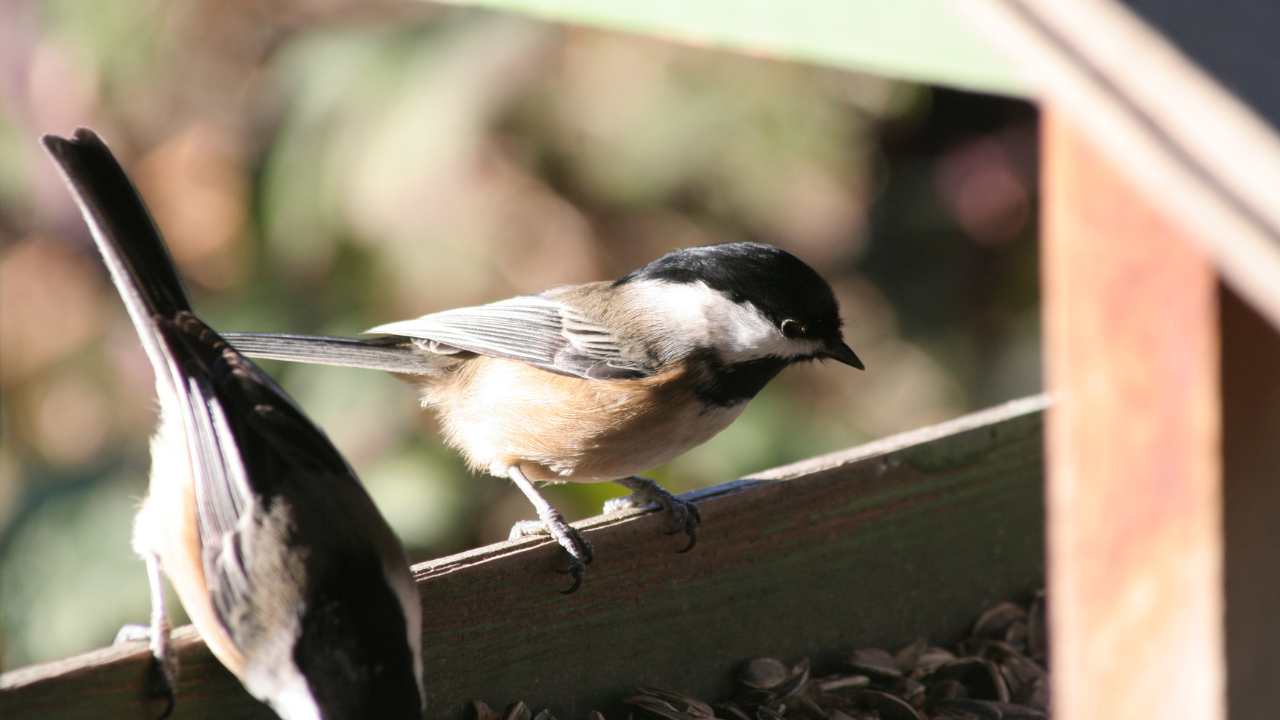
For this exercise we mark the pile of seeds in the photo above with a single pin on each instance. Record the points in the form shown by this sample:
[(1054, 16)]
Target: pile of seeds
[(997, 673)]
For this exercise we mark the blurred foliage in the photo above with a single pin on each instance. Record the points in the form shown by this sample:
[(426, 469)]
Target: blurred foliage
[(917, 40), (327, 165)]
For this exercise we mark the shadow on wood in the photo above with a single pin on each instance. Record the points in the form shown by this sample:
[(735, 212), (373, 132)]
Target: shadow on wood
[(1251, 504), (878, 545)]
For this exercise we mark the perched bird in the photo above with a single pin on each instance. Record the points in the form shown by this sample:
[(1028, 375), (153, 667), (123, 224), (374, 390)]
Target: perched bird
[(600, 381), (292, 577)]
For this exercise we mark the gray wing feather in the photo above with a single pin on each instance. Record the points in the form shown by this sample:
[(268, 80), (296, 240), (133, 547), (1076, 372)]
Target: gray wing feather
[(401, 357), (532, 329), (222, 490)]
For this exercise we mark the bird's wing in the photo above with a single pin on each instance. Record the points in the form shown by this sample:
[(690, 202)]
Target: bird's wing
[(225, 490), (534, 329), (252, 452)]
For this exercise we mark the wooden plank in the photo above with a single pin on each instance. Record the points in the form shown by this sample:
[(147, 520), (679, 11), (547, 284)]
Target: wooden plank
[(905, 537), (1134, 508), (1251, 422), (1188, 144), (1233, 40), (909, 39)]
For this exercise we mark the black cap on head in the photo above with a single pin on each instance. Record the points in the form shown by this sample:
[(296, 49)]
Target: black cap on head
[(781, 285)]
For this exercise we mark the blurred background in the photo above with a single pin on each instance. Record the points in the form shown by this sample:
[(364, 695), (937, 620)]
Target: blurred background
[(325, 166)]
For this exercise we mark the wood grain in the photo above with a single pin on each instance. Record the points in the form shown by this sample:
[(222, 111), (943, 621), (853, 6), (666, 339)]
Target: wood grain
[(877, 545), (1134, 500)]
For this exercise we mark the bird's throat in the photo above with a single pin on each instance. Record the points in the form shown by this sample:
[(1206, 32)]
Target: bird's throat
[(727, 385)]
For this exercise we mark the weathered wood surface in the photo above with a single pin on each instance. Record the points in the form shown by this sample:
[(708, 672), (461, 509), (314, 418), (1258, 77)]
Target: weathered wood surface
[(1202, 147), (1134, 502), (880, 544)]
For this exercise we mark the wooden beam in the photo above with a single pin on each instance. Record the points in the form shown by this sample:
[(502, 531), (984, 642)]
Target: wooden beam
[(878, 545), (1134, 506), (1192, 144), (907, 39)]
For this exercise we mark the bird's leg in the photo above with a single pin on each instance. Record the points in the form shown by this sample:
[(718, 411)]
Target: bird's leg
[(163, 674), (552, 523), (682, 515)]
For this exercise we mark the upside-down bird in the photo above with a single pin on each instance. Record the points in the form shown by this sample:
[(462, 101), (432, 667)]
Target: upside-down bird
[(285, 567)]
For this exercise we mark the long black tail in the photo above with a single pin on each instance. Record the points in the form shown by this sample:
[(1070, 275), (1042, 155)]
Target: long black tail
[(130, 243), (390, 354)]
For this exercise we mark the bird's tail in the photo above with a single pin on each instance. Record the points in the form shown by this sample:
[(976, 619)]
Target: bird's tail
[(390, 354), (147, 280), (130, 243)]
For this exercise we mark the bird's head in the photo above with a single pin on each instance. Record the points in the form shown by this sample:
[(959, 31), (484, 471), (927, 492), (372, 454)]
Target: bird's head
[(746, 302)]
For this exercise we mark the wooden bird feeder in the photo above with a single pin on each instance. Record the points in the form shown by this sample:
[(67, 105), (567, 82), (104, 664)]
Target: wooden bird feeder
[(1146, 490)]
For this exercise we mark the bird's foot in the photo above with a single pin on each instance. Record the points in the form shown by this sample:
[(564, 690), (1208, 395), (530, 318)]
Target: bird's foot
[(132, 633), (682, 515), (577, 546), (162, 672)]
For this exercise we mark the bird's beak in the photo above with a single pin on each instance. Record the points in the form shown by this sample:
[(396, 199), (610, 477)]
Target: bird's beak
[(838, 350)]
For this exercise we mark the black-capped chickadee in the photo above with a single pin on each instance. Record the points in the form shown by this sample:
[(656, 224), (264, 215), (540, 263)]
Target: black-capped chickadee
[(292, 577), (600, 381)]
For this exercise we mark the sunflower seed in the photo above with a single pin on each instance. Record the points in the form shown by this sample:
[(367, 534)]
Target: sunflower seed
[(911, 690), (763, 673), (669, 705), (989, 710), (517, 711), (980, 678), (841, 682), (730, 711), (999, 674), (876, 663), (909, 656), (931, 659), (996, 622), (887, 706)]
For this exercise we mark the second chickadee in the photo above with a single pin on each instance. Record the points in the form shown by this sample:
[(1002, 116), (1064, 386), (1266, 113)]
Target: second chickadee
[(282, 561), (601, 381)]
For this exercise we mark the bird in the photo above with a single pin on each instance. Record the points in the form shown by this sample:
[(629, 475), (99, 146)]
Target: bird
[(604, 380), (286, 568)]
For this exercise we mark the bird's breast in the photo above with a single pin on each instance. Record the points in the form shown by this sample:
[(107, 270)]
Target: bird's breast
[(502, 413)]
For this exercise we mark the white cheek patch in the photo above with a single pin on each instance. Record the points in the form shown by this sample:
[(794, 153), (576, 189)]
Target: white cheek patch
[(706, 318)]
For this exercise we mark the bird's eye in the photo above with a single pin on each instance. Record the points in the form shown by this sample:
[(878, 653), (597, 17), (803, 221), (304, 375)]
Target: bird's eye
[(792, 329)]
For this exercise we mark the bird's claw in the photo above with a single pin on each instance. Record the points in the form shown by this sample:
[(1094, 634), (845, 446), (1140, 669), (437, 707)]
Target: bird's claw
[(162, 670), (574, 544), (160, 684), (577, 569), (682, 515), (685, 516), (132, 633)]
